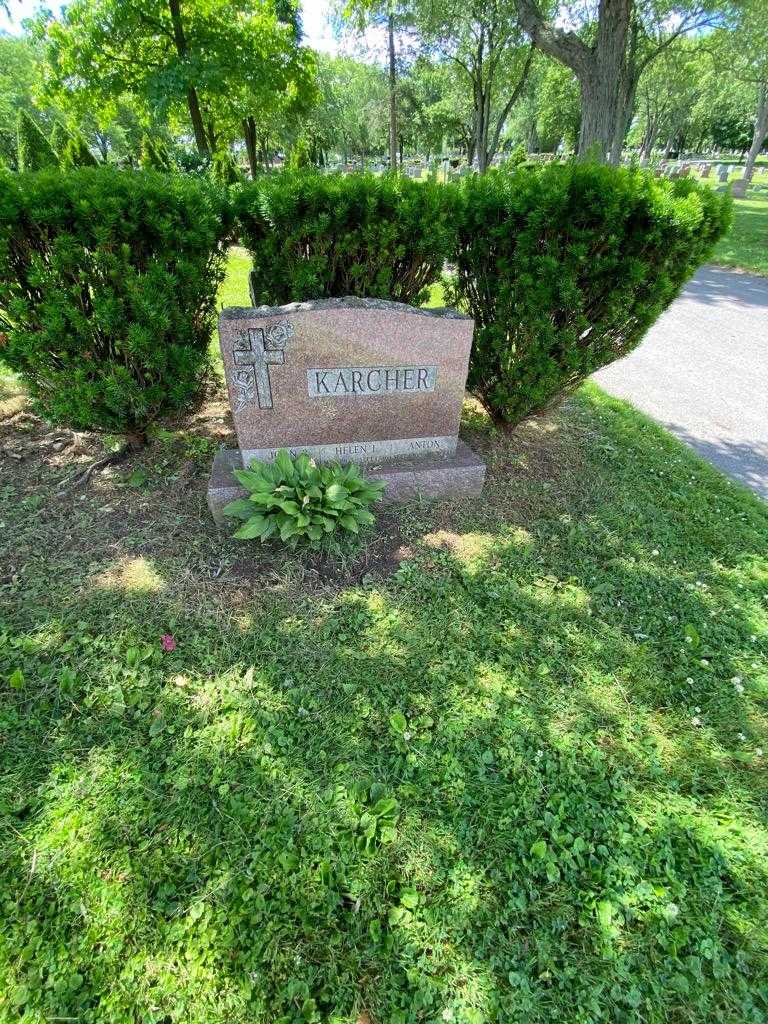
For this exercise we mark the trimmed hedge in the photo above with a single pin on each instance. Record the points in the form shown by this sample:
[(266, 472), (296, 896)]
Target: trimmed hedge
[(108, 283), (323, 236), (565, 268), (108, 278)]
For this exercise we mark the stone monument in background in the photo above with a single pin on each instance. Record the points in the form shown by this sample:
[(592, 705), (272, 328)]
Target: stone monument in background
[(350, 380)]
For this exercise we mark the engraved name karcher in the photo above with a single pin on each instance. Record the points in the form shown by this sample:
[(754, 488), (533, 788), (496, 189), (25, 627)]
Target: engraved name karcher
[(344, 381)]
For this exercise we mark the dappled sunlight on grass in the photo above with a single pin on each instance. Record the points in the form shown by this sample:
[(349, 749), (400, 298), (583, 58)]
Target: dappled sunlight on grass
[(137, 575), (472, 788), (466, 548)]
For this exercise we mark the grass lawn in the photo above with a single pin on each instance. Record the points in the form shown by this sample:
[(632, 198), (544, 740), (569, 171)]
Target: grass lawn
[(746, 245), (502, 765)]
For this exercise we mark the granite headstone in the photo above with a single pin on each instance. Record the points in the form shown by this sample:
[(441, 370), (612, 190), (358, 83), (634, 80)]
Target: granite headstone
[(350, 380), (739, 188)]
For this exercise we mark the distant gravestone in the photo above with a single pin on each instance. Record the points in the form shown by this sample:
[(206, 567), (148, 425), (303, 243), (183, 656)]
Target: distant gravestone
[(705, 170), (739, 188), (722, 173), (353, 380)]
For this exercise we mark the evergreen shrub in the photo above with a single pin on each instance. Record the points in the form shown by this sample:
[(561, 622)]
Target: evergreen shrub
[(108, 284), (59, 137), (76, 153), (34, 150), (322, 236), (154, 155), (224, 170), (565, 268)]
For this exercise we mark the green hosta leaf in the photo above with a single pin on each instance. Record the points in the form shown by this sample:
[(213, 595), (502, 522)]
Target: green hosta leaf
[(255, 527), (251, 479), (290, 507), (242, 508), (314, 532), (539, 849), (266, 498), (271, 528), (288, 530), (364, 516), (336, 493), (284, 463), (349, 523), (303, 464)]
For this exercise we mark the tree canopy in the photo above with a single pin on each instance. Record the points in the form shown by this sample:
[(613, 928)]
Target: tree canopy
[(216, 80)]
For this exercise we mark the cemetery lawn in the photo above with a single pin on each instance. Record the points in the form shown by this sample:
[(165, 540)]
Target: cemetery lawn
[(502, 765), (746, 245)]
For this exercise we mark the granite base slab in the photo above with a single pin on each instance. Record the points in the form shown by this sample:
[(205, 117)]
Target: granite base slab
[(458, 475)]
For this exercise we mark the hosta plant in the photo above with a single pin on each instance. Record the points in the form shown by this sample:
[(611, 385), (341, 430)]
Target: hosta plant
[(300, 502)]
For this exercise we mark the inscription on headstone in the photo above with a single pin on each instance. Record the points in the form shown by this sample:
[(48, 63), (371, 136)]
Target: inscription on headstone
[(370, 380), (361, 380)]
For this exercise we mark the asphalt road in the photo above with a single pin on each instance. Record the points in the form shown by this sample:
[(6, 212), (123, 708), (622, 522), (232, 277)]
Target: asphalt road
[(702, 372)]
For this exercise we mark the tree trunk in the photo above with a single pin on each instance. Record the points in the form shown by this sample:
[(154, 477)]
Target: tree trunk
[(481, 130), (196, 117), (598, 118), (600, 68), (249, 135), (649, 141), (624, 118), (392, 94), (601, 84), (193, 102), (103, 145), (493, 146), (760, 130)]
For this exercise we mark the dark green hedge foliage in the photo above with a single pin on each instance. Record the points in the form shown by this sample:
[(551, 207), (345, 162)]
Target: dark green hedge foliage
[(318, 236), (565, 268), (108, 285)]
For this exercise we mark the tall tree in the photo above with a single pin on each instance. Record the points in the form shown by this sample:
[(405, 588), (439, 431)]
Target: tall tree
[(434, 107), (609, 54), (392, 16), (656, 27), (744, 55), (270, 84), (350, 118), (484, 41), (20, 77), (169, 52)]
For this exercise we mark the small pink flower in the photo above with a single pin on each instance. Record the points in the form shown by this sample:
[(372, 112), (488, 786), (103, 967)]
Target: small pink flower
[(167, 642)]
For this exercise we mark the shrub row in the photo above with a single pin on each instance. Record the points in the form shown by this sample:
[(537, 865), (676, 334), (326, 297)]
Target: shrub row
[(108, 278), (108, 285), (565, 269), (315, 236)]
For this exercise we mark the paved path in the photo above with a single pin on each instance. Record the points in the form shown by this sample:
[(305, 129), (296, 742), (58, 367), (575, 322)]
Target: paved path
[(702, 372)]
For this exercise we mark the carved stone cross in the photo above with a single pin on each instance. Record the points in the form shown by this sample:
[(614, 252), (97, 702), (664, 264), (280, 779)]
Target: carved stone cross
[(261, 348)]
